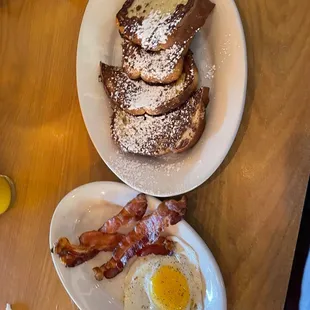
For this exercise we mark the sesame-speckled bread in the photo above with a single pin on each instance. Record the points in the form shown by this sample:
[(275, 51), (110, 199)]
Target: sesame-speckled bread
[(162, 67), (137, 97), (159, 24), (174, 132)]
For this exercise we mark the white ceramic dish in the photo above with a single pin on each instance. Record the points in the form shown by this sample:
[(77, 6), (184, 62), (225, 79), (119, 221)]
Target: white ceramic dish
[(221, 44), (84, 209)]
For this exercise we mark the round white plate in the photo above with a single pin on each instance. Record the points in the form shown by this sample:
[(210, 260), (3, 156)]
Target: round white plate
[(84, 209), (220, 53)]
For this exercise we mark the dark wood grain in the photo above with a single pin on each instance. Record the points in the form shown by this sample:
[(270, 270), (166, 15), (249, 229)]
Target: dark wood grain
[(248, 212)]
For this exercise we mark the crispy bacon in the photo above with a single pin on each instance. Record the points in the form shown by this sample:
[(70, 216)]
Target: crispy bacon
[(101, 241), (133, 211), (97, 240), (145, 232), (105, 239), (73, 255), (162, 246)]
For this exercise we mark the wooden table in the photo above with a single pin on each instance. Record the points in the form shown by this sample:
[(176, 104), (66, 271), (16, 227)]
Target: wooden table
[(248, 212)]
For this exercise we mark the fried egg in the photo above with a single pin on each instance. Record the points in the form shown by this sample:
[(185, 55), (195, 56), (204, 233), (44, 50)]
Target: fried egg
[(165, 282)]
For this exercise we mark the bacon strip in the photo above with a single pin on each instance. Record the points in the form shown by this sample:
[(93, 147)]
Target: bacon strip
[(162, 246), (105, 239), (101, 241), (145, 232), (133, 211), (73, 255), (97, 240)]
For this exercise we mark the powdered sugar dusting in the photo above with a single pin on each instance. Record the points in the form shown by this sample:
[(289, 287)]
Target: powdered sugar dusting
[(210, 72), (157, 66), (205, 59), (225, 50), (149, 135), (137, 94), (155, 29), (141, 172), (133, 94)]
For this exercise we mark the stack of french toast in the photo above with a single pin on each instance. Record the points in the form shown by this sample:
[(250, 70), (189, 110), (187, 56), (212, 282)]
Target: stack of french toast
[(157, 108)]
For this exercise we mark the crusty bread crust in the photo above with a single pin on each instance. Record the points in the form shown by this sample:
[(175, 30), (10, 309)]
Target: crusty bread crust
[(153, 100), (174, 132), (184, 22), (161, 67), (202, 96)]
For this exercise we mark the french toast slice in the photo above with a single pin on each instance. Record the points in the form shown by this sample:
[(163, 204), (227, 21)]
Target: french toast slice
[(174, 132), (159, 24), (161, 67), (137, 97)]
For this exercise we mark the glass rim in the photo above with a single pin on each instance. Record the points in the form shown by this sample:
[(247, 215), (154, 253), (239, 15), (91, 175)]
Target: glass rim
[(12, 187)]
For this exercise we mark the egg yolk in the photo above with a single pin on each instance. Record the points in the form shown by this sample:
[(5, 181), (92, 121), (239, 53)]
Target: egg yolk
[(170, 290)]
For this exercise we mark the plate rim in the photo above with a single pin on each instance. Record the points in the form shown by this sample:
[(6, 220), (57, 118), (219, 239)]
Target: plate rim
[(220, 159), (126, 187)]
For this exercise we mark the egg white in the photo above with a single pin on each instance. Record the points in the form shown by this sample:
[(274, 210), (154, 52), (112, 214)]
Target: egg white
[(137, 286)]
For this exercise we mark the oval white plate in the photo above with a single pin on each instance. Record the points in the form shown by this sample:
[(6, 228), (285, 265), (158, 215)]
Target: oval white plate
[(221, 44), (84, 209)]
